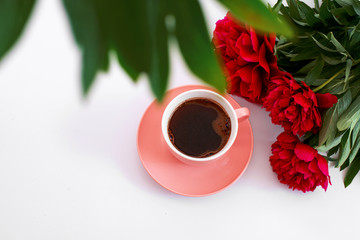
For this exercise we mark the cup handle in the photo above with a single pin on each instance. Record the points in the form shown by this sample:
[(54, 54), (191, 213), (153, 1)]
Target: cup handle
[(242, 113)]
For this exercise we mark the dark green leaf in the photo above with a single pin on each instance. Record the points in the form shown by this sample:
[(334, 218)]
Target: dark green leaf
[(317, 6), (344, 102), (159, 67), (340, 16), (354, 149), (328, 129), (315, 72), (304, 55), (256, 14), (294, 10), (329, 125), (89, 34), (132, 44), (324, 12), (344, 165), (350, 115), (353, 170), (332, 151), (277, 6), (345, 148), (13, 17), (332, 144), (322, 46), (337, 44), (195, 44), (332, 60), (355, 131), (309, 14), (356, 6), (347, 5), (141, 42), (348, 68)]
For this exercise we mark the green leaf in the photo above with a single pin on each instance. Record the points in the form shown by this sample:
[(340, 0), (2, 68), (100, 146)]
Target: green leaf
[(347, 72), (159, 67), (356, 6), (350, 115), (277, 6), (89, 35), (340, 16), (332, 151), (355, 131), (304, 55), (315, 72), (328, 129), (339, 47), (345, 148), (337, 44), (131, 42), (344, 102), (195, 45), (347, 6), (332, 144), (352, 172), (324, 12), (294, 9), (320, 45), (329, 125), (309, 14), (256, 14), (140, 41), (13, 17), (354, 150), (331, 60)]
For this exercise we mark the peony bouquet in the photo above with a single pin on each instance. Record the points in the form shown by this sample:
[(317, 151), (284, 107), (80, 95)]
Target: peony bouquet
[(310, 85)]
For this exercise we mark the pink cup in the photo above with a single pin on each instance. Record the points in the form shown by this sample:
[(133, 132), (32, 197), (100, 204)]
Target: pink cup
[(235, 115)]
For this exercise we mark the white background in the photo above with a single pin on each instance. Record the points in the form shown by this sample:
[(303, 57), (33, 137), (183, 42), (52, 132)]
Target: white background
[(69, 167)]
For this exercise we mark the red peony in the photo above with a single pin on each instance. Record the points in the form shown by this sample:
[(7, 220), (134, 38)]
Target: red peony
[(294, 106), (248, 58), (298, 165)]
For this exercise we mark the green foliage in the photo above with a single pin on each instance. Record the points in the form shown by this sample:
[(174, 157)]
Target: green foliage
[(256, 14), (138, 33), (13, 17), (326, 54)]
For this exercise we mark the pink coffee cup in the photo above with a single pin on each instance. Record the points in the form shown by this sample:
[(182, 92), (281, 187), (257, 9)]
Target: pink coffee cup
[(235, 116)]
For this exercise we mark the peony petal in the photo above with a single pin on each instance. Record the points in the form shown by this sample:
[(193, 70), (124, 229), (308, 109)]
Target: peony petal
[(313, 166), (302, 101), (302, 167), (305, 152), (306, 125), (245, 73), (262, 59), (287, 138), (246, 51), (323, 165), (254, 40), (256, 84), (326, 100), (285, 154)]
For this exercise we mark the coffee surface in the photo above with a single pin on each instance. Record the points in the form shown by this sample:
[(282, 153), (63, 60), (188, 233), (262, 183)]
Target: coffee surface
[(199, 127)]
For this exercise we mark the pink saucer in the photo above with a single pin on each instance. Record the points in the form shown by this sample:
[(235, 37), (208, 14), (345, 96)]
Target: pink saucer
[(181, 178)]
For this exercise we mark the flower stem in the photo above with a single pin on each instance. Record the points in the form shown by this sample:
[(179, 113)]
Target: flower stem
[(329, 80), (333, 77)]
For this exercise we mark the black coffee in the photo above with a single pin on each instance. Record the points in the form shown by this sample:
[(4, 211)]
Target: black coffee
[(199, 127)]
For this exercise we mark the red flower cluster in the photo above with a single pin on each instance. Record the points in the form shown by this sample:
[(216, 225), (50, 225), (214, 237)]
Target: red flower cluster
[(295, 107), (252, 72), (249, 58), (298, 165)]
